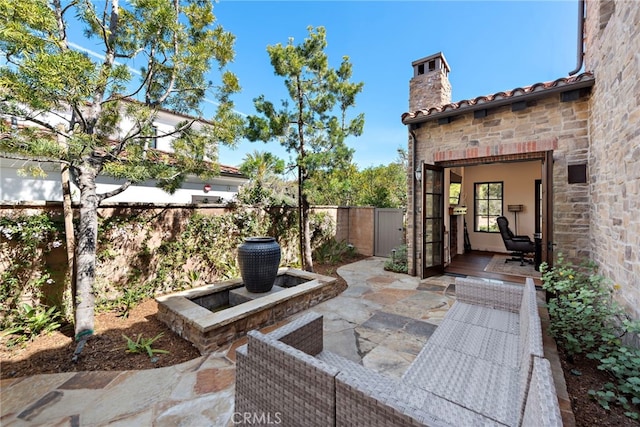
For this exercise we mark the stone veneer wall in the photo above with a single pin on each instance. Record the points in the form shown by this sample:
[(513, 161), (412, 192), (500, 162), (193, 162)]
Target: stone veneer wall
[(211, 331), (353, 225), (547, 124), (612, 46), (429, 90)]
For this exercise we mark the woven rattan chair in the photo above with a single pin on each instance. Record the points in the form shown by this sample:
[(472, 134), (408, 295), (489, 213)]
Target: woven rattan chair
[(483, 366)]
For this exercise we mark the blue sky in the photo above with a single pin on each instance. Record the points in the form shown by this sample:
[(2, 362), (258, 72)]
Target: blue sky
[(490, 46)]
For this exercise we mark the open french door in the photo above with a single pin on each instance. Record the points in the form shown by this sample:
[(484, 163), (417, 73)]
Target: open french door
[(547, 208), (432, 220)]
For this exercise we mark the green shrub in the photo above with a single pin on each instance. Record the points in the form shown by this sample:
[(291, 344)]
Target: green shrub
[(624, 364), (398, 262), (24, 241), (581, 307), (28, 322), (585, 319), (322, 228), (332, 252)]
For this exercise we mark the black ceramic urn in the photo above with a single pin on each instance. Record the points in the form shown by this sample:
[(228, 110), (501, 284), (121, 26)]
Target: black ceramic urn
[(259, 258)]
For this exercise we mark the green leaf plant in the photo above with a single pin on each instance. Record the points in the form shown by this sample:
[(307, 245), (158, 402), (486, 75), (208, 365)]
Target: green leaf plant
[(143, 345), (398, 261), (586, 320), (29, 322)]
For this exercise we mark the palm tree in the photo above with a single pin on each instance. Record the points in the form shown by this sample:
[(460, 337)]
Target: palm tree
[(261, 167), (266, 185)]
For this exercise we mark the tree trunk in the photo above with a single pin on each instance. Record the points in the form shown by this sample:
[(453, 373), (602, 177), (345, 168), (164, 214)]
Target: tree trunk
[(86, 254), (300, 220), (307, 253), (69, 293)]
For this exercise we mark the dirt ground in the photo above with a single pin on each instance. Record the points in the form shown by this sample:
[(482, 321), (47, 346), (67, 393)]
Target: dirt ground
[(106, 352), (581, 376)]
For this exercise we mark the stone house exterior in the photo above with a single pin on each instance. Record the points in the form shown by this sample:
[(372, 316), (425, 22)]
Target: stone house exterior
[(565, 156)]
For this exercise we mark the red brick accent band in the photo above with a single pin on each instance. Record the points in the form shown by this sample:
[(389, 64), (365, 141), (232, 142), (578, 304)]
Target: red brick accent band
[(517, 150)]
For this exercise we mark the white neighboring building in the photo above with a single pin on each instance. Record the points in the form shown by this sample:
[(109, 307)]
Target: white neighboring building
[(220, 189), (16, 188)]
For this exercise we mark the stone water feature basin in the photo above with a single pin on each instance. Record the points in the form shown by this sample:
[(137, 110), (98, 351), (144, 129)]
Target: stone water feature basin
[(214, 315)]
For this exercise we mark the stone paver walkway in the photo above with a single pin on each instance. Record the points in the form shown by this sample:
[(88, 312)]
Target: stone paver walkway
[(382, 319)]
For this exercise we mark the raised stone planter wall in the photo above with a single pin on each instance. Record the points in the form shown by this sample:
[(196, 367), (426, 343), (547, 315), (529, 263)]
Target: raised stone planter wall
[(210, 331)]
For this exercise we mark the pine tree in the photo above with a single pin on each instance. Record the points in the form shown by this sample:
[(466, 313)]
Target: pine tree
[(96, 117), (314, 127)]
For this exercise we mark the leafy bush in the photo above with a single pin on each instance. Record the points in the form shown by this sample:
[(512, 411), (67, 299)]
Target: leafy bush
[(28, 322), (398, 262), (585, 319), (333, 252), (581, 307), (24, 241), (624, 364), (322, 228)]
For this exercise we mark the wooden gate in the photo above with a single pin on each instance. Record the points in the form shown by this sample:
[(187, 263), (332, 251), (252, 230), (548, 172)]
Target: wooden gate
[(389, 230)]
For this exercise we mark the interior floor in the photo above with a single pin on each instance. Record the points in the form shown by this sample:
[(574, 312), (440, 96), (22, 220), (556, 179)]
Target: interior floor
[(473, 263)]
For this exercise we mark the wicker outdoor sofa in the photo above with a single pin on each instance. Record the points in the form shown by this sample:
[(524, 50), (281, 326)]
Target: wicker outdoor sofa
[(483, 366)]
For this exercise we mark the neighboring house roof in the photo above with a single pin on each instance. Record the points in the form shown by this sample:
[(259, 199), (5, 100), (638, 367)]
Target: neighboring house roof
[(169, 111), (225, 170), (230, 171), (537, 90)]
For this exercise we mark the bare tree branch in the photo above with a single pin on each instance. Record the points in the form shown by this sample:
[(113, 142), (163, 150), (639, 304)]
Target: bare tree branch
[(143, 83), (129, 55), (114, 192), (176, 49), (39, 122)]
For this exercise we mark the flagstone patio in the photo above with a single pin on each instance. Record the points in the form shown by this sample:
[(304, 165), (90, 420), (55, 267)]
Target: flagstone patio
[(381, 320)]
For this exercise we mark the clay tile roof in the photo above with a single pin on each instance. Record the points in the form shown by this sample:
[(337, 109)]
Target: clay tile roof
[(501, 98), (230, 170), (166, 156), (224, 169)]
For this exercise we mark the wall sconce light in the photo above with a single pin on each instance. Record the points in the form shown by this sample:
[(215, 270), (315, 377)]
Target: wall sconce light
[(418, 172), (207, 188)]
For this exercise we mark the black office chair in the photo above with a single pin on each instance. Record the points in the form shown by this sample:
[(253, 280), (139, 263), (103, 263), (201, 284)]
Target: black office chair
[(519, 246)]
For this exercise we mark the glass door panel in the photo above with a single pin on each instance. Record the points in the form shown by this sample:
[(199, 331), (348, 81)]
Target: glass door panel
[(432, 220)]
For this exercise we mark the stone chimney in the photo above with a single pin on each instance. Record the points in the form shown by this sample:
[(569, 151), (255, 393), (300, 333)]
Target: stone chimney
[(430, 85)]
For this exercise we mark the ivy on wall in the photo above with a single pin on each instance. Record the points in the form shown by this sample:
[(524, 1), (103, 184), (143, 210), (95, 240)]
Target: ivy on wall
[(26, 244), (144, 253)]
